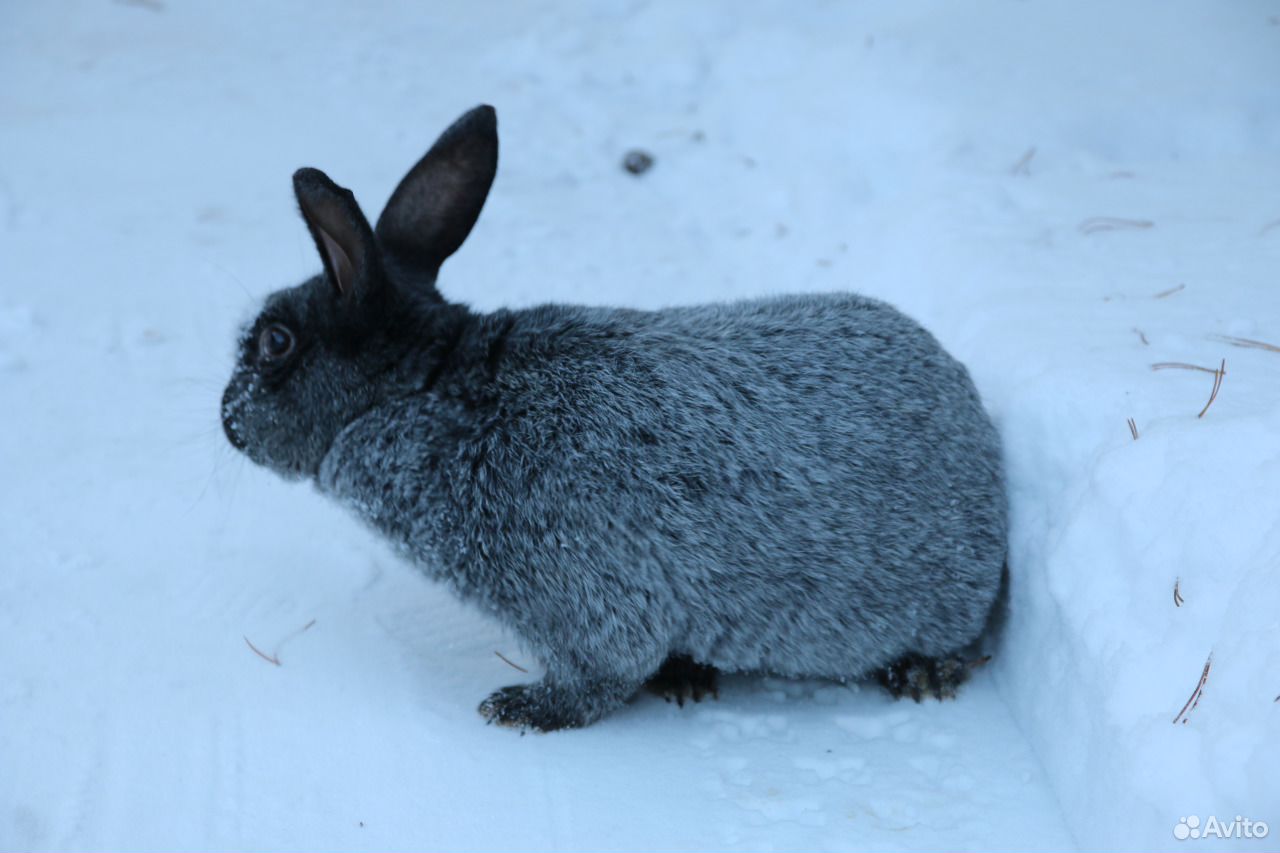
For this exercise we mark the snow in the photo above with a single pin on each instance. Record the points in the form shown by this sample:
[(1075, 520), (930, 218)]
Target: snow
[(145, 154)]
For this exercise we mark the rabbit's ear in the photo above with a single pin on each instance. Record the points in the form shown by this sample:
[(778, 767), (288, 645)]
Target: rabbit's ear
[(341, 232), (436, 204)]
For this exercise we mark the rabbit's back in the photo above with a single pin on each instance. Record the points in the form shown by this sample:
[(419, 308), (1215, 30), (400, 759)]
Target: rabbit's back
[(810, 482)]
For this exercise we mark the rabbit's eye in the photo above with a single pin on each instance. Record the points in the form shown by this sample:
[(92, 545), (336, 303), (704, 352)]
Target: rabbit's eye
[(275, 343)]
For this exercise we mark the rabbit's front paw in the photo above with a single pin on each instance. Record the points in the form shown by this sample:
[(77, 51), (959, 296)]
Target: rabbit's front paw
[(525, 707), (918, 676), (682, 678), (563, 704)]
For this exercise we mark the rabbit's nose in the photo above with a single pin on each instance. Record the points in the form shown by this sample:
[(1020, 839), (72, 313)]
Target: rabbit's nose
[(228, 421), (236, 441)]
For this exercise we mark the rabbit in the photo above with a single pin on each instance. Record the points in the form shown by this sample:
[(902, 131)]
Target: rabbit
[(805, 486)]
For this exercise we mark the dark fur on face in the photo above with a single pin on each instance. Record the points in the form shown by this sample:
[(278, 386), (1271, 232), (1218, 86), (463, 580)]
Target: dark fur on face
[(346, 358), (807, 485)]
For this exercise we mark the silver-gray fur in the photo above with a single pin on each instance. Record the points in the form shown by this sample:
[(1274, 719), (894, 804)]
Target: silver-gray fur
[(803, 485)]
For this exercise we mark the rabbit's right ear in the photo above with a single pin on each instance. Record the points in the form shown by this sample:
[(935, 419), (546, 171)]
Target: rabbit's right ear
[(341, 232), (436, 204)]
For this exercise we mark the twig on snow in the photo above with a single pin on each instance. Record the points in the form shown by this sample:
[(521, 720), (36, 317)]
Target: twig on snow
[(1094, 224), (1195, 694), (272, 659), (1217, 384), (1141, 336), (1023, 166), (510, 662), (1162, 294), (1133, 428), (1180, 365), (275, 658), (1177, 596), (1245, 343), (301, 630)]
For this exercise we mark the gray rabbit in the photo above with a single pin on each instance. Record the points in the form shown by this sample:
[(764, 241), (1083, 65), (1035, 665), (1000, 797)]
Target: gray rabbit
[(802, 485)]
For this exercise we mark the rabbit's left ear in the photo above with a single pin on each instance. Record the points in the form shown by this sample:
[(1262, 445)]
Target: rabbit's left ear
[(341, 232), (435, 206)]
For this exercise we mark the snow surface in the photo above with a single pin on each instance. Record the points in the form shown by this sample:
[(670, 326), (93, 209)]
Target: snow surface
[(145, 154)]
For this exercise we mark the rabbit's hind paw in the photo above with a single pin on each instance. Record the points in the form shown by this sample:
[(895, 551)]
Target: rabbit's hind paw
[(918, 676), (681, 678)]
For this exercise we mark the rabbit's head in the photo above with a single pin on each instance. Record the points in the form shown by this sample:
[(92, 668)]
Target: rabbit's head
[(322, 353)]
